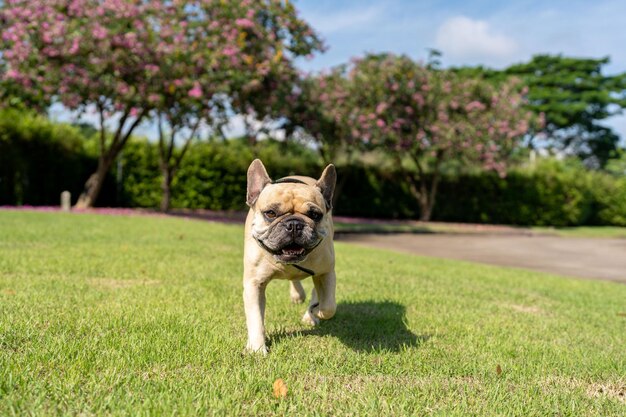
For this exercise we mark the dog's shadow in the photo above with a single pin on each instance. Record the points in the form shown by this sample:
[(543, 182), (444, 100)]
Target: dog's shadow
[(367, 326)]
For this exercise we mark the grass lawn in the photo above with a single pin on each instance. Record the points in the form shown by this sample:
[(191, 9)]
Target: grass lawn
[(130, 315), (585, 231), (437, 227)]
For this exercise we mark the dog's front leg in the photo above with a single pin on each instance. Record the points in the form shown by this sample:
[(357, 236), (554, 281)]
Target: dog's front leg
[(254, 304), (323, 304)]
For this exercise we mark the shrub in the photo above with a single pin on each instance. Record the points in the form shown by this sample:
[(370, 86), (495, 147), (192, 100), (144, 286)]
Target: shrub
[(609, 197), (212, 175), (552, 193), (39, 159)]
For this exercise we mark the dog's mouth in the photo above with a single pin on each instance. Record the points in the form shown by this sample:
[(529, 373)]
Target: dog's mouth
[(291, 253)]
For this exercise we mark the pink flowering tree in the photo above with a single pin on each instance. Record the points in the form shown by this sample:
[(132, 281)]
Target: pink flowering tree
[(130, 60), (224, 65), (321, 109), (427, 119)]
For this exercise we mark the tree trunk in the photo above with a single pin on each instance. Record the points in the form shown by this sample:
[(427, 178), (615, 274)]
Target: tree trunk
[(422, 190), (107, 155), (93, 185), (426, 209), (422, 196), (166, 187)]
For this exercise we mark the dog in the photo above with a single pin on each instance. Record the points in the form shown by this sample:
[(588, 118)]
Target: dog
[(288, 235)]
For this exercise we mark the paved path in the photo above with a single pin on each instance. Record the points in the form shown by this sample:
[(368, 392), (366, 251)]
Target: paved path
[(579, 257)]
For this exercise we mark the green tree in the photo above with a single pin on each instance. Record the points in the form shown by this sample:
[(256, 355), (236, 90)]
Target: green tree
[(575, 97)]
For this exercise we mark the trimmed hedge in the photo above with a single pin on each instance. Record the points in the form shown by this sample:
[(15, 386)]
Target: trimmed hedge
[(39, 159), (553, 193), (212, 175)]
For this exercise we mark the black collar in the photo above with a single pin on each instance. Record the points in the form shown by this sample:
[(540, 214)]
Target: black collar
[(288, 180), (303, 269)]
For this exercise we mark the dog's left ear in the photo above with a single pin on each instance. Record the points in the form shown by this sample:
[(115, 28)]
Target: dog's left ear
[(326, 184), (257, 180)]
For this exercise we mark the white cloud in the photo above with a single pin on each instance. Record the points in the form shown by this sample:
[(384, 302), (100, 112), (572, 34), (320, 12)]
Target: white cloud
[(462, 38)]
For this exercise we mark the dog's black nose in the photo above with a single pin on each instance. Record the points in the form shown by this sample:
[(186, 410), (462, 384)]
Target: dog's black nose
[(294, 226)]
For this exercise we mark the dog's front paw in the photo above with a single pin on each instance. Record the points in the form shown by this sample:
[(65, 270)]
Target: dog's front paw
[(255, 348), (310, 319)]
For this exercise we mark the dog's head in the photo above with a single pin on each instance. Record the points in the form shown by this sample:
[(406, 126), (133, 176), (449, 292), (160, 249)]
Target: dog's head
[(291, 215)]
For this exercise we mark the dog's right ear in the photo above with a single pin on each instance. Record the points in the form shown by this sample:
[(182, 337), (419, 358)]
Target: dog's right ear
[(257, 180)]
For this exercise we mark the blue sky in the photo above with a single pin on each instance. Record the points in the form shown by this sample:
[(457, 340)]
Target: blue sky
[(469, 32)]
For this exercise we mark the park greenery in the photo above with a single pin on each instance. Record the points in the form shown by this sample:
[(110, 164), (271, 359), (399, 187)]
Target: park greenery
[(158, 329), (409, 132), (142, 314), (38, 157)]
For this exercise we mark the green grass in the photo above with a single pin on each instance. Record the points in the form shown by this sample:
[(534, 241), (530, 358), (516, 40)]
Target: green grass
[(114, 315), (585, 231)]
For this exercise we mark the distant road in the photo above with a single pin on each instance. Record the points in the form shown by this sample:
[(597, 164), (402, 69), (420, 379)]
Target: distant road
[(592, 258)]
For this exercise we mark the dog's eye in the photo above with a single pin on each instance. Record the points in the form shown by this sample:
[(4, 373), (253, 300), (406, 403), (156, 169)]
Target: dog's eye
[(315, 215), (270, 214)]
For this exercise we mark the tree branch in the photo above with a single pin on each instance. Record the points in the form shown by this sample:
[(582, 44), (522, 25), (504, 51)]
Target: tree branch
[(186, 145)]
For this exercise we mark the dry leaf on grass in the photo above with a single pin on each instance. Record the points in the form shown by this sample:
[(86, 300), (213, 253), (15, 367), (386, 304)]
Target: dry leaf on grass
[(498, 370), (280, 388)]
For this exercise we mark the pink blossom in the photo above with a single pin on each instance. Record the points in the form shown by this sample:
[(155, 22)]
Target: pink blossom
[(474, 105), (12, 74), (196, 91), (75, 45), (419, 99), (244, 23), (381, 108), (230, 51), (99, 32), (380, 123)]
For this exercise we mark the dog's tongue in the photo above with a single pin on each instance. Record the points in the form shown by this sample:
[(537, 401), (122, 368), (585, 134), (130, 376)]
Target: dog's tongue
[(293, 250)]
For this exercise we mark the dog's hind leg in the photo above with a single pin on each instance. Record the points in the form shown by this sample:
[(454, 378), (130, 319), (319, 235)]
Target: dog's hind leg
[(296, 291)]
